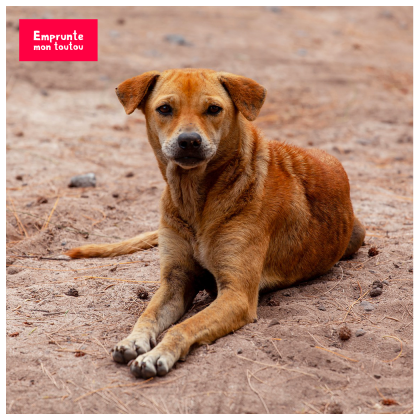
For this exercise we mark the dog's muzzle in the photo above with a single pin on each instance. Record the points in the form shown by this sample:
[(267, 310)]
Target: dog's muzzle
[(190, 150)]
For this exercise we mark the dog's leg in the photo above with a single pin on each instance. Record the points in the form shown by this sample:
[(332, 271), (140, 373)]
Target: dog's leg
[(235, 306), (180, 282)]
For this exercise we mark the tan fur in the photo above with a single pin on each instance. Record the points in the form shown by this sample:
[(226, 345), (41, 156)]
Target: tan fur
[(253, 215), (144, 241)]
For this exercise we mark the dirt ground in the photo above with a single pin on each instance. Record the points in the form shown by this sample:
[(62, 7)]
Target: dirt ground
[(339, 79)]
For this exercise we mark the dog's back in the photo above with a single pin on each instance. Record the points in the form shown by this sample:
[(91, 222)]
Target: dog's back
[(310, 191)]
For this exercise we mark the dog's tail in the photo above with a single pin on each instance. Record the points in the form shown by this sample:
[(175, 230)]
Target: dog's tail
[(144, 241), (356, 240)]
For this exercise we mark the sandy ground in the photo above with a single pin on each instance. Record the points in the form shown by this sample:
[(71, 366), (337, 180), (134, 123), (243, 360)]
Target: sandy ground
[(339, 79)]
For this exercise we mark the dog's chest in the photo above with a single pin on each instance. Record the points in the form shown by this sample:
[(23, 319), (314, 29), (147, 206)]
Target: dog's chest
[(201, 253)]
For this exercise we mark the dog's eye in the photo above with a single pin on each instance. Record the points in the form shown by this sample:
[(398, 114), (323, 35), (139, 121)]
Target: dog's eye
[(165, 110), (213, 109)]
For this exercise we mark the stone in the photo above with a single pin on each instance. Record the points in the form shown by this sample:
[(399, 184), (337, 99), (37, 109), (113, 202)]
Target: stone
[(375, 292), (335, 409), (177, 39), (72, 292), (14, 270), (274, 9), (360, 332), (367, 306), (83, 181)]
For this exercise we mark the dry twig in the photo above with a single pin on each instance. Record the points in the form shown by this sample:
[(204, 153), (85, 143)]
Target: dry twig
[(52, 212), (248, 376), (337, 354), (399, 354)]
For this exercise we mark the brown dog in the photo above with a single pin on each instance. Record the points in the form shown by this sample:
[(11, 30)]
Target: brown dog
[(240, 214)]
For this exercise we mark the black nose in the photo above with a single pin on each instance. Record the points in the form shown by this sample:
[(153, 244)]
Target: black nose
[(189, 141)]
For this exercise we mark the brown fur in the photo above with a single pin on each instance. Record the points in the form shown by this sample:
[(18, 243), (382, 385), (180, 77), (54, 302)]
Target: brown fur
[(255, 215)]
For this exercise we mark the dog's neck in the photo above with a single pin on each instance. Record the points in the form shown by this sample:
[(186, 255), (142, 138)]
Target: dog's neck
[(189, 188)]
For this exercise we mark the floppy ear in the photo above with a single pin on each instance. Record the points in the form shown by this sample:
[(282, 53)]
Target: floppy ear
[(133, 91), (247, 95)]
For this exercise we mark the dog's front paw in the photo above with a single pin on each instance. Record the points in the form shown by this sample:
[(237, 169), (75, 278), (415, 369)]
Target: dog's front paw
[(156, 362), (129, 348)]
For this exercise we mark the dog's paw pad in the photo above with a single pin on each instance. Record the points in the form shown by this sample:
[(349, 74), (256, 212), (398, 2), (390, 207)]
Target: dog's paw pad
[(150, 365), (123, 354), (162, 367)]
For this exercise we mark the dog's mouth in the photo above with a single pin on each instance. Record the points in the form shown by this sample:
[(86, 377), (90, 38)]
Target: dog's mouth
[(189, 161)]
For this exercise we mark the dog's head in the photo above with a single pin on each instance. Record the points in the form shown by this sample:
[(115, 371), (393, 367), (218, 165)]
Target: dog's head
[(190, 111)]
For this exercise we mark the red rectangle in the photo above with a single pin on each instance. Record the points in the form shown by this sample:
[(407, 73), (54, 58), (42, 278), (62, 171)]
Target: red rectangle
[(58, 39)]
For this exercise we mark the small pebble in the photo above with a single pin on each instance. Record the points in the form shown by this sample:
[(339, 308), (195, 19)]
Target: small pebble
[(273, 302), (386, 282), (129, 174), (377, 284), (335, 409), (115, 195), (287, 294), (239, 351), (322, 307), (83, 181), (360, 332), (274, 9), (367, 306), (64, 243), (19, 177), (177, 39), (377, 376), (72, 292), (375, 292), (13, 270), (273, 322)]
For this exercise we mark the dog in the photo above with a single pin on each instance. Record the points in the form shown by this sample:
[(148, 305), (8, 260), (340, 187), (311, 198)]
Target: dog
[(240, 214)]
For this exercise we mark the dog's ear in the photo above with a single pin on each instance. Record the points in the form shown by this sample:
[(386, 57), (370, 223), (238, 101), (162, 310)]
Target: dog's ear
[(132, 92), (247, 95)]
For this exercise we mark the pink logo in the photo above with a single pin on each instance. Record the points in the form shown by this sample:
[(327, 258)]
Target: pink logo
[(58, 39)]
